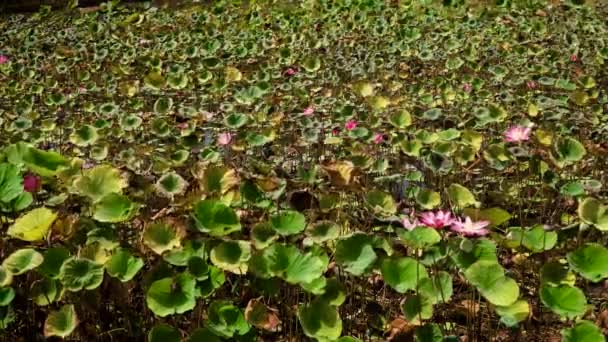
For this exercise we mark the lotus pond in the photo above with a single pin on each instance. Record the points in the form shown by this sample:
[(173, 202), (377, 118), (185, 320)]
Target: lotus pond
[(339, 170)]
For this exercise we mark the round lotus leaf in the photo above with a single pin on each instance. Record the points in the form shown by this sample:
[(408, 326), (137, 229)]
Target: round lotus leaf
[(215, 218), (592, 211), (100, 181), (356, 254), (171, 184), (569, 150), (320, 320), (160, 127), (130, 122), (402, 274), (288, 222), (46, 292), (154, 80), (198, 268), (84, 136), (181, 255), (32, 226), (262, 235), (123, 265), (80, 273), (53, 259), (323, 231), (108, 109), (417, 307), (231, 256), (61, 323), (461, 196), (177, 80), (22, 260), (226, 320), (381, 202), (114, 207), (311, 63), (236, 120), (7, 294), (565, 300), (164, 333), (437, 288), (590, 261), (583, 331), (169, 296), (334, 292), (513, 314), (163, 105), (161, 237), (11, 182), (488, 277), (6, 277), (179, 157)]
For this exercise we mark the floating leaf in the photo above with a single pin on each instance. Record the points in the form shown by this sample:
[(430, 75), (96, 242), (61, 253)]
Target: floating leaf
[(419, 237), (80, 273), (288, 222), (61, 323), (461, 196), (215, 218), (590, 261), (231, 256), (22, 260), (381, 202), (171, 184), (100, 181), (402, 274), (489, 278), (161, 237), (169, 296), (583, 331), (320, 320), (565, 300), (32, 226), (53, 259), (513, 314), (356, 254), (114, 207), (226, 320), (11, 182), (123, 265), (164, 333), (428, 199)]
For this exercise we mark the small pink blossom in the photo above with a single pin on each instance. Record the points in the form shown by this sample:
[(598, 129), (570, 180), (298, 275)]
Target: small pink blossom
[(31, 183), (517, 134), (437, 220), (531, 84), (467, 87), (335, 131), (290, 72), (3, 59), (410, 224), (308, 111), (182, 125), (350, 125), (378, 138), (573, 58), (470, 228), (224, 138)]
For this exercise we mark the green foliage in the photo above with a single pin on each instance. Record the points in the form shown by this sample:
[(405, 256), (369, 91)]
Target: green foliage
[(215, 218), (172, 295)]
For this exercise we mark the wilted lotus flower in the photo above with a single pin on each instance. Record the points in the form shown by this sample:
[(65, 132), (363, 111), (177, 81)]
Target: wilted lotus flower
[(410, 224), (437, 220), (467, 87), (517, 134), (470, 228), (378, 138), (335, 131), (350, 125), (224, 138), (531, 84), (31, 183), (573, 58), (3, 59), (308, 111)]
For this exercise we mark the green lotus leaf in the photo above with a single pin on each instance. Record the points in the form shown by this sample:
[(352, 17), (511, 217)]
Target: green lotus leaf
[(198, 268), (432, 114), (411, 147), (417, 307), (573, 189), (177, 80), (7, 294), (429, 332), (565, 300), (419, 237), (11, 182), (320, 320), (130, 122), (154, 80), (46, 292), (84, 136), (254, 195), (123, 265), (53, 259), (461, 196), (364, 89), (496, 216), (217, 179), (428, 199), (334, 292), (356, 254), (180, 256), (592, 211), (160, 127), (22, 260), (212, 62), (171, 184), (78, 273), (163, 105), (311, 63), (226, 320), (164, 333), (554, 273), (288, 263), (161, 237), (513, 314), (33, 226), (215, 218), (248, 95), (536, 239), (590, 261), (402, 274), (401, 119), (61, 323), (262, 235), (215, 279), (231, 256), (99, 152), (381, 202), (114, 207), (488, 277), (583, 331), (169, 296), (99, 181), (569, 150), (323, 231), (44, 163), (236, 120), (108, 109), (454, 63), (379, 103), (288, 222), (437, 288)]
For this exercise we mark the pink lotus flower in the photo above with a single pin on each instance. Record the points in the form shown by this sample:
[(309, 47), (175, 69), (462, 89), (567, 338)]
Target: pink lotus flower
[(378, 138), (290, 72), (350, 125), (410, 224), (308, 111), (335, 131), (437, 220), (182, 125), (573, 58), (467, 87), (470, 228), (517, 134), (3, 59), (531, 84), (224, 138), (31, 183)]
